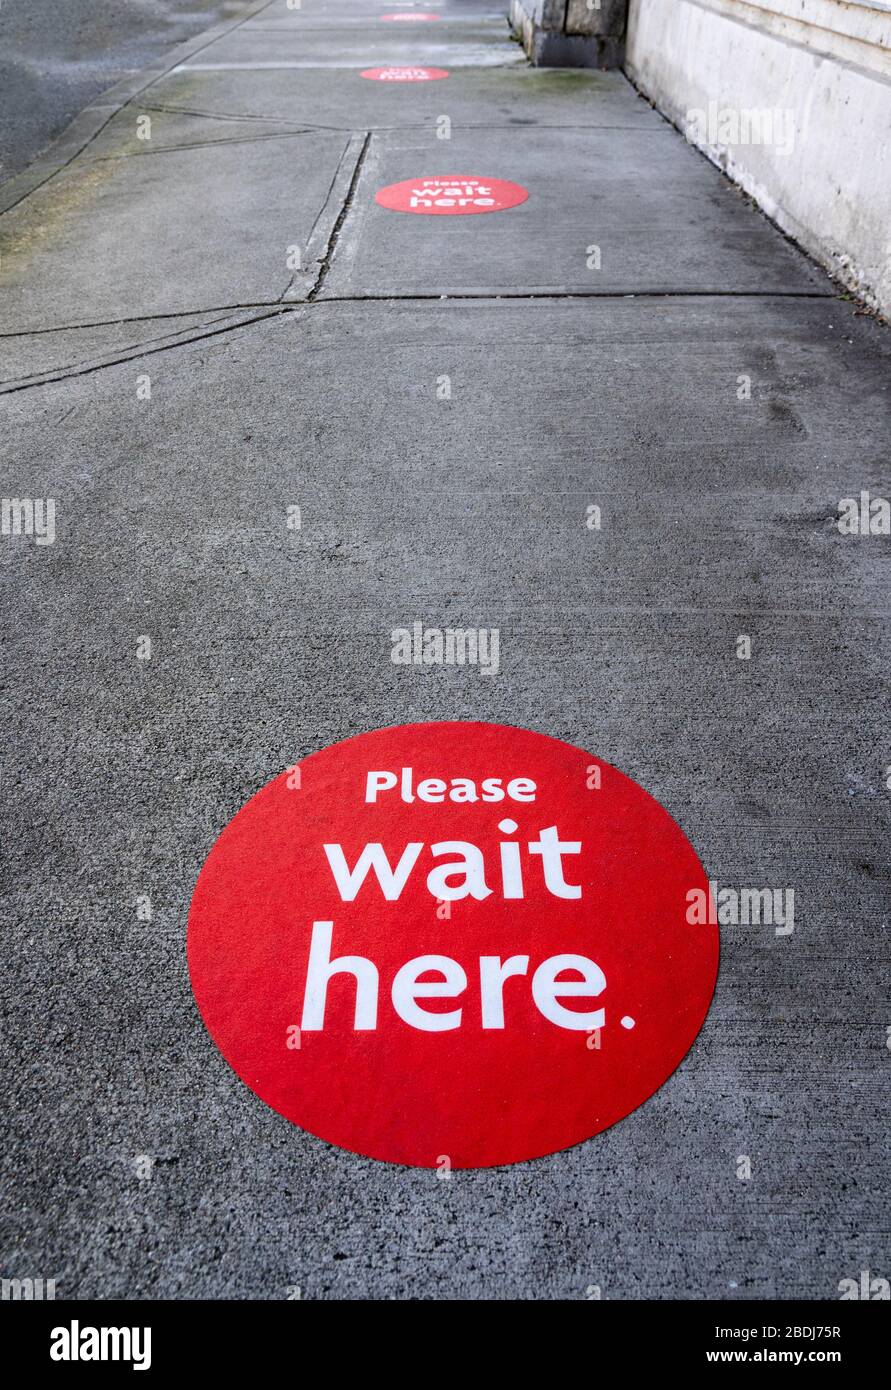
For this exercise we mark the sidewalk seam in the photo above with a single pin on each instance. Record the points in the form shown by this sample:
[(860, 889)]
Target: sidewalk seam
[(276, 309), (386, 298), (285, 296), (197, 145), (140, 350)]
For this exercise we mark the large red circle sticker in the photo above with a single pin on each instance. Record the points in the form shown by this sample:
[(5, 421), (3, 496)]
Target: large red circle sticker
[(451, 194), (404, 74), (453, 945)]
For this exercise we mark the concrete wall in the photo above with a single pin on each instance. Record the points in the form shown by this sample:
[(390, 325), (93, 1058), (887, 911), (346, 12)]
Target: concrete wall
[(571, 33), (793, 99)]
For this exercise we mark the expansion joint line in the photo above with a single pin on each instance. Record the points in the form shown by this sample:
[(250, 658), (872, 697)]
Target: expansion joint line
[(331, 247)]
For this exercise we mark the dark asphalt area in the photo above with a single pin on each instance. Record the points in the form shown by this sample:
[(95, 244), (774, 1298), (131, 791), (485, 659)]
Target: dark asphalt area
[(55, 58)]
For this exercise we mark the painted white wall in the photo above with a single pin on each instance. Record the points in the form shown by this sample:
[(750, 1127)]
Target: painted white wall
[(812, 75)]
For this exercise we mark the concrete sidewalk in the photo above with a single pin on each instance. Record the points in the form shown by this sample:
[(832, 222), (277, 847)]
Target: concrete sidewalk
[(175, 382)]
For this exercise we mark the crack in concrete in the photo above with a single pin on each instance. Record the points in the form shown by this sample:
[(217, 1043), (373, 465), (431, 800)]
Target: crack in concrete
[(276, 309), (331, 247), (127, 354), (201, 145), (138, 318), (557, 295), (636, 127), (163, 108), (139, 350), (318, 217)]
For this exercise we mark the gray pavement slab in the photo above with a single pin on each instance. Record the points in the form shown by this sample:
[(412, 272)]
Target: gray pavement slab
[(718, 518), (316, 14), (181, 231), (664, 221), (434, 45), (494, 97), (47, 354), (270, 644), (180, 129)]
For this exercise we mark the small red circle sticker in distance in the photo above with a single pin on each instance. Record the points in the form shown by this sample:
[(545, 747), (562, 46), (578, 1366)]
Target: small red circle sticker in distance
[(451, 194), (404, 74), (453, 945)]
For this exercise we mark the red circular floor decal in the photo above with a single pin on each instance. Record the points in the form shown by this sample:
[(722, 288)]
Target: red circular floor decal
[(404, 74), (451, 194), (452, 945)]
